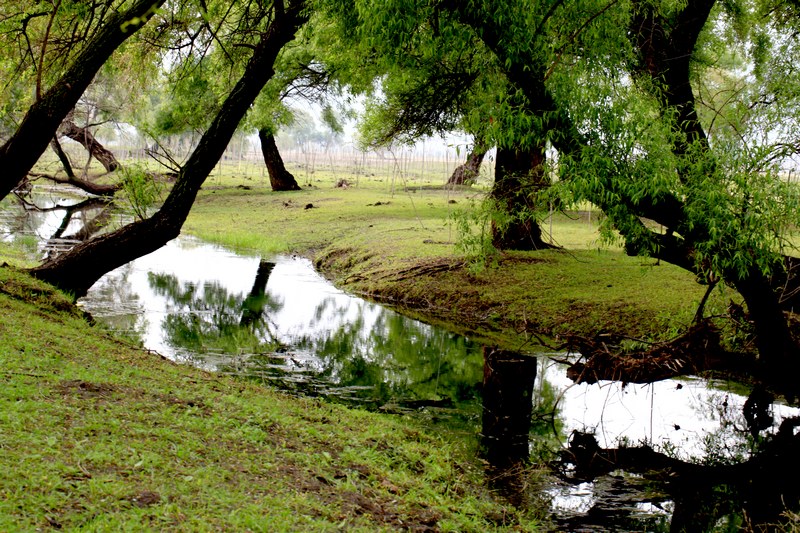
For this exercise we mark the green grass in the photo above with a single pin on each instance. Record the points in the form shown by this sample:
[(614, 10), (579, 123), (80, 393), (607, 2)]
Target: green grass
[(98, 435), (400, 247)]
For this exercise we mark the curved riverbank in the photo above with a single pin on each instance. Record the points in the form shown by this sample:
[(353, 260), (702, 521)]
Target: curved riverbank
[(99, 435), (401, 248)]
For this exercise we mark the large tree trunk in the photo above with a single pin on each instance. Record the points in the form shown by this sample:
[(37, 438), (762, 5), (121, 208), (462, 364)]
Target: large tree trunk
[(87, 140), (77, 270), (280, 178), (80, 268), (467, 173), (777, 348), (39, 126), (519, 175)]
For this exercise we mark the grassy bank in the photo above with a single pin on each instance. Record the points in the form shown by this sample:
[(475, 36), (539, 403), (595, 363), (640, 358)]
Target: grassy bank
[(398, 245), (98, 435)]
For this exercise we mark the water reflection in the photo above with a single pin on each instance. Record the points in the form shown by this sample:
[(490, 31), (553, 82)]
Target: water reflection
[(57, 220), (291, 328), (210, 319), (280, 322), (508, 380)]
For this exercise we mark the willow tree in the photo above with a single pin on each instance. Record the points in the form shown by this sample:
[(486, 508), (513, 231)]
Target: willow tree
[(675, 116), (263, 29), (437, 76), (42, 31)]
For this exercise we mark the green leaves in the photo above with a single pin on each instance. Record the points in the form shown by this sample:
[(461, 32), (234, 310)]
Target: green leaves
[(141, 191)]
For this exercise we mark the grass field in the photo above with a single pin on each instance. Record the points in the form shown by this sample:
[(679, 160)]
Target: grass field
[(403, 246), (97, 435)]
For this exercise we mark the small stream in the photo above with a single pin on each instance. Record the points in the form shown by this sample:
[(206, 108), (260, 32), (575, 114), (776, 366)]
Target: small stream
[(277, 321)]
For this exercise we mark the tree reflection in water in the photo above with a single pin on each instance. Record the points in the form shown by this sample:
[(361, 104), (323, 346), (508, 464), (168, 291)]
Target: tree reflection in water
[(389, 362), (210, 319), (360, 353), (355, 352)]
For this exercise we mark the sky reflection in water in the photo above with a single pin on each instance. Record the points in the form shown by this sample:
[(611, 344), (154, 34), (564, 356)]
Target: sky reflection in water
[(194, 302)]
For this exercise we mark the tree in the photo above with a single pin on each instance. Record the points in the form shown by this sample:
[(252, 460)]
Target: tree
[(280, 179), (611, 87), (519, 176), (31, 138), (84, 136), (78, 269), (467, 172), (444, 79)]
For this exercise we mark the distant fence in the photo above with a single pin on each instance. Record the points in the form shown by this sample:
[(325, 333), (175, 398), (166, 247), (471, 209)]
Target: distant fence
[(429, 162)]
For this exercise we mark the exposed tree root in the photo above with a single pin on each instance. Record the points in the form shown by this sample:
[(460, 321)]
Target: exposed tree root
[(696, 350)]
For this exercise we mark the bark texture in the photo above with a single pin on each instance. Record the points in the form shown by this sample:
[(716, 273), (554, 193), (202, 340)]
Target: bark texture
[(85, 137), (519, 175), (77, 270), (279, 178), (467, 172), (39, 126)]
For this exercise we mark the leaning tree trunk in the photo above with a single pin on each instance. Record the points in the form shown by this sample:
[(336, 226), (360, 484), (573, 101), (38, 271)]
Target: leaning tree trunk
[(39, 126), (467, 172), (253, 305), (78, 269), (87, 140), (518, 176), (62, 156), (280, 178)]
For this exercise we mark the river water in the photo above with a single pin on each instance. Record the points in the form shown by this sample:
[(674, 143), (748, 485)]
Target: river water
[(276, 320)]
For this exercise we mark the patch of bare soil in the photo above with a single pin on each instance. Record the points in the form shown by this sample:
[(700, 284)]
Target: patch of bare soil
[(145, 499), (368, 502), (85, 389)]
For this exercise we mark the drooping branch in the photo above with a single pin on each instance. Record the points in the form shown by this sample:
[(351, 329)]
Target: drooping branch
[(38, 127), (77, 270)]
